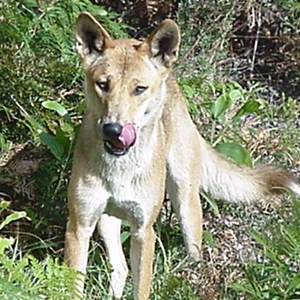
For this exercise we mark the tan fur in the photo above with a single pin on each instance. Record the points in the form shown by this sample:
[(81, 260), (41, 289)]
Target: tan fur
[(168, 150)]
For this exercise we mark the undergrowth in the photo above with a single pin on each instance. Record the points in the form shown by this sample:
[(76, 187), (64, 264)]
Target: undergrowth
[(25, 277), (276, 274)]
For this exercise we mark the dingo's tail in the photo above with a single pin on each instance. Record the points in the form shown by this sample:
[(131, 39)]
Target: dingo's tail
[(225, 180)]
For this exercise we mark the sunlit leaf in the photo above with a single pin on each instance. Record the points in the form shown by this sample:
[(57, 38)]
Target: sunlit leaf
[(235, 95), (12, 217), (5, 243), (57, 107), (250, 106), (235, 152), (295, 283)]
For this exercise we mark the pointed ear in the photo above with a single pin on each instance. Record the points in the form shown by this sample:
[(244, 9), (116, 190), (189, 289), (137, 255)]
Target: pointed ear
[(164, 43), (91, 38)]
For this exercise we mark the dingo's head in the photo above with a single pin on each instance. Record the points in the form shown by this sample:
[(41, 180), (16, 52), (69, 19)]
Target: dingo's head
[(125, 79)]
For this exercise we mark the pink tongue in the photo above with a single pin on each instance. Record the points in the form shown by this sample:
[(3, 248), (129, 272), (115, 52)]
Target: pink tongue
[(126, 138)]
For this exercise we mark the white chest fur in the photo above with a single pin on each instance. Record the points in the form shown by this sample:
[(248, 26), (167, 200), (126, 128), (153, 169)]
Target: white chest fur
[(129, 182)]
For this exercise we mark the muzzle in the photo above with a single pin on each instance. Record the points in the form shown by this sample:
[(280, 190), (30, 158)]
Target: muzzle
[(117, 138)]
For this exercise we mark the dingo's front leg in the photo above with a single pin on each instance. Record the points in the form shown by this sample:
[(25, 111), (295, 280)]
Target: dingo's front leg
[(86, 202), (109, 228), (141, 255), (76, 252)]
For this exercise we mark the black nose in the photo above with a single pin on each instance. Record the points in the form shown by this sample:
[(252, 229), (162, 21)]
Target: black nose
[(111, 130)]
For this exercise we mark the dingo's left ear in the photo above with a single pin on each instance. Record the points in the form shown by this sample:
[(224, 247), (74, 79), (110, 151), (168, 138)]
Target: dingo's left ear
[(164, 42), (91, 38)]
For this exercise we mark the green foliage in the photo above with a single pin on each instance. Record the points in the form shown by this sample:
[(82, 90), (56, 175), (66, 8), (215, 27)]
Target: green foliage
[(24, 277), (174, 287), (231, 105), (60, 143), (236, 152), (7, 242), (27, 278), (168, 282), (11, 217), (39, 67), (277, 274)]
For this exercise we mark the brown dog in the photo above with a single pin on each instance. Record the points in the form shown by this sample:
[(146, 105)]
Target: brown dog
[(137, 139)]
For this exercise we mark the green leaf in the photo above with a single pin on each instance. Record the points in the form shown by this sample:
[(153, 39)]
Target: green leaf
[(31, 4), (235, 152), (57, 107), (221, 105), (52, 143), (98, 11), (235, 95), (3, 205), (188, 91), (67, 128), (250, 106), (246, 288), (125, 236), (5, 243), (212, 202), (295, 283), (271, 250), (13, 217), (63, 139), (209, 239)]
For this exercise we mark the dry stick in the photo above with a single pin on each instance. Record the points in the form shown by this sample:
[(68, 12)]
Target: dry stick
[(267, 37), (256, 39)]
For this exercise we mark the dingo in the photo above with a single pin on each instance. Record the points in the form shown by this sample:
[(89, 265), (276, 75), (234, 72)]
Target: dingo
[(137, 139)]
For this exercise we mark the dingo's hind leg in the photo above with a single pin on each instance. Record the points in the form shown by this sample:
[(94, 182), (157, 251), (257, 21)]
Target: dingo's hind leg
[(183, 188), (186, 203)]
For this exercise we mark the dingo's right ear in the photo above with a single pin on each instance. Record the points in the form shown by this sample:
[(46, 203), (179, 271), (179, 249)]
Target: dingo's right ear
[(90, 38)]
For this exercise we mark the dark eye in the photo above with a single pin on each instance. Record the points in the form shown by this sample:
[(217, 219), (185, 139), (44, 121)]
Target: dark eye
[(103, 85), (140, 89)]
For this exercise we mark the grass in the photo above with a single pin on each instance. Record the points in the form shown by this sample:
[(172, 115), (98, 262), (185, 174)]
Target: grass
[(248, 253)]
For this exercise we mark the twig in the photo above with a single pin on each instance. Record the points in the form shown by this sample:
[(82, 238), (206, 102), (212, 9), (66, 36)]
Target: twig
[(256, 39)]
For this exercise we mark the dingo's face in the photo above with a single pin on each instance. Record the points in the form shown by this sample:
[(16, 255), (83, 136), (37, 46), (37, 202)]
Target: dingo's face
[(125, 79)]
